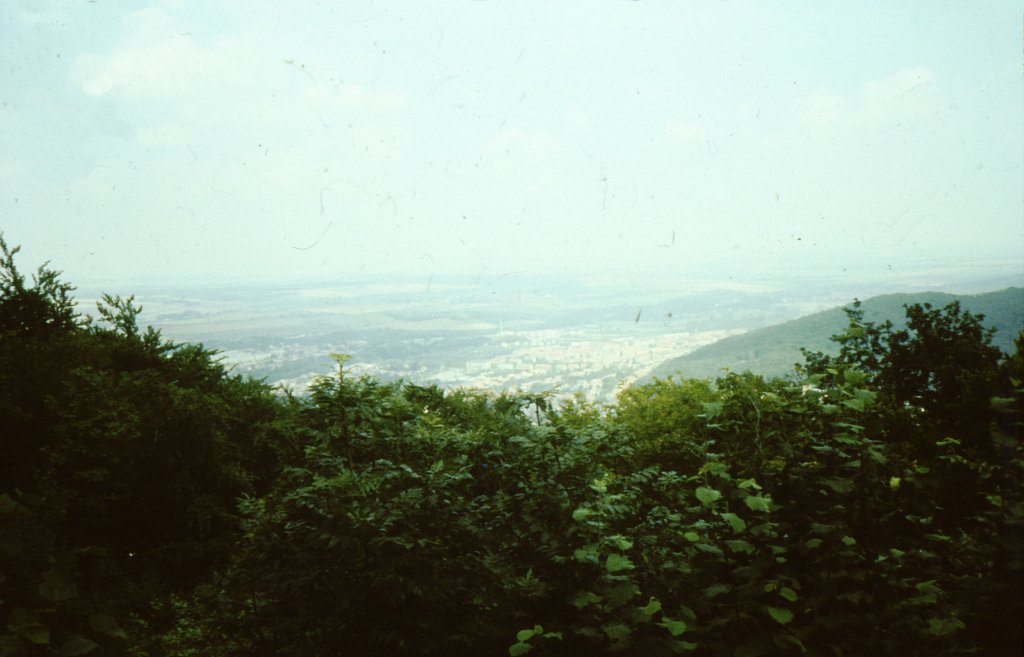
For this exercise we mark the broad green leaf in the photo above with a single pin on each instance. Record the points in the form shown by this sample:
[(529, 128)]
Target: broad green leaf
[(584, 598), (780, 615), (867, 397), (855, 403), (621, 542), (849, 541), (682, 646), (944, 626), (620, 593), (674, 627), (740, 546), (709, 548), (854, 377), (788, 593), (77, 645), (840, 485), (1002, 403), (585, 554), (758, 503), (618, 632), (517, 649), (693, 537), (714, 467), (716, 590), (813, 543), (524, 635), (877, 456), (785, 640), (581, 514), (707, 495), (651, 608), (617, 562), (738, 524)]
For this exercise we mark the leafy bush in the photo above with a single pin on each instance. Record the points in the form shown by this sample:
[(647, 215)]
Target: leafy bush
[(152, 504)]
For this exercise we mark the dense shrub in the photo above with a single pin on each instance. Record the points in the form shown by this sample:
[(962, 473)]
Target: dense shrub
[(152, 504)]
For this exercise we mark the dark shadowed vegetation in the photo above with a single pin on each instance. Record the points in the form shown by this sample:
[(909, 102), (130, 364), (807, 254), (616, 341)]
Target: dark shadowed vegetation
[(153, 504)]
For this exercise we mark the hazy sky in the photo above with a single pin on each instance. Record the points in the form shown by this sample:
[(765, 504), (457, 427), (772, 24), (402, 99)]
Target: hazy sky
[(172, 140)]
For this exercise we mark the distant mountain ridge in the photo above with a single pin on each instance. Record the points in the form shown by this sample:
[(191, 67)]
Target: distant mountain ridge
[(773, 350)]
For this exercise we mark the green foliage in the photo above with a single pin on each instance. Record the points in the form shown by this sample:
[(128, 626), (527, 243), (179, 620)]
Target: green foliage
[(772, 350), (121, 459), (151, 504), (43, 308)]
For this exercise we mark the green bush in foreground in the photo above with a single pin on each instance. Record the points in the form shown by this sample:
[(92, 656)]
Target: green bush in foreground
[(151, 504)]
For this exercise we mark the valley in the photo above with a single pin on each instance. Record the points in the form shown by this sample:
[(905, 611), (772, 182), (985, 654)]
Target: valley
[(562, 335)]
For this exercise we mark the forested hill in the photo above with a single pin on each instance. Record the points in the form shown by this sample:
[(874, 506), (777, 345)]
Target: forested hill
[(773, 350), (153, 504)]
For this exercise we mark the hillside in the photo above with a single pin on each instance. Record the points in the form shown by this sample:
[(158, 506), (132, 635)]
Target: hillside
[(773, 350), (153, 503)]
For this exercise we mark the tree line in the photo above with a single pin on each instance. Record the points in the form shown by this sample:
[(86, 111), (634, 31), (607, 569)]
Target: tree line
[(154, 503)]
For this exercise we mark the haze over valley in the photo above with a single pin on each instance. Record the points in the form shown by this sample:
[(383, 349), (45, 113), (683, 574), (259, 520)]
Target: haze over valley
[(510, 331)]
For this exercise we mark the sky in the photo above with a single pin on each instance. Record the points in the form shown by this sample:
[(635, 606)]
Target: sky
[(166, 141)]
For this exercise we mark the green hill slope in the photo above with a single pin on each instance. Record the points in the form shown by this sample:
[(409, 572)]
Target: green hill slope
[(773, 350)]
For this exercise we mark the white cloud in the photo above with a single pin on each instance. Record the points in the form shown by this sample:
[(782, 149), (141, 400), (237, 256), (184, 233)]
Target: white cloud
[(905, 95), (158, 59), (236, 77)]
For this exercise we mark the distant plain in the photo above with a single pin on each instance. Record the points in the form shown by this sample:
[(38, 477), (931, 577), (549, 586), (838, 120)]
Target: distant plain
[(565, 334)]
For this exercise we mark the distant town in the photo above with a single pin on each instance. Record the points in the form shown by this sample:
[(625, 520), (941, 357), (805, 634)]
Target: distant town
[(508, 332), (566, 362)]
